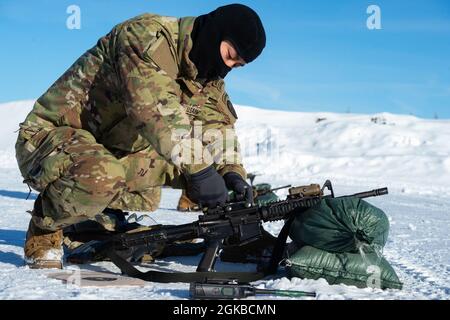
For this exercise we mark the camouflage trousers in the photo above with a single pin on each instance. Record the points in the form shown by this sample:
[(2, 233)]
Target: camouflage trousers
[(78, 178)]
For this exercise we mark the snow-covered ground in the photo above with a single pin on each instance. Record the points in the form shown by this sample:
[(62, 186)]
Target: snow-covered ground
[(411, 156)]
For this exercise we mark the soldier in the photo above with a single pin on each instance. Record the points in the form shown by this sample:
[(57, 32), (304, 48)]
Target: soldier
[(118, 124)]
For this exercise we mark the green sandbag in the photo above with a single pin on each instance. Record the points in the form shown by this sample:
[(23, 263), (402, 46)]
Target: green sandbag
[(341, 225), (343, 268)]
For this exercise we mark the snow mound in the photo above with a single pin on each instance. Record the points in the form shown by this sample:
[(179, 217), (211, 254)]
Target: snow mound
[(405, 152), (11, 114)]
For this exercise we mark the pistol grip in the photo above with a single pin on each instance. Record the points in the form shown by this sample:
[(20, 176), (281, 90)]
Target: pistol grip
[(210, 256)]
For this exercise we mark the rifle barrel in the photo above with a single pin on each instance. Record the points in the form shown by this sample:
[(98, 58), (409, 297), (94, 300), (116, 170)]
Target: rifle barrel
[(373, 193), (280, 210), (279, 188)]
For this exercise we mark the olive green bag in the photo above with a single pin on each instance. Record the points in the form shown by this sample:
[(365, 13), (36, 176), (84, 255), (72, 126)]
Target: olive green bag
[(341, 240), (341, 225), (352, 269)]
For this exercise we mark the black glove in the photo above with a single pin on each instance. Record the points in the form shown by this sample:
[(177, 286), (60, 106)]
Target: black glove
[(207, 188), (241, 188)]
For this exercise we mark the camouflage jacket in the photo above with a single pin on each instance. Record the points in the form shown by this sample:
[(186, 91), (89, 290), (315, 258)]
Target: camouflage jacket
[(134, 89)]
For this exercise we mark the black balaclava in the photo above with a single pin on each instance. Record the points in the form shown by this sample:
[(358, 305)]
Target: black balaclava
[(236, 23)]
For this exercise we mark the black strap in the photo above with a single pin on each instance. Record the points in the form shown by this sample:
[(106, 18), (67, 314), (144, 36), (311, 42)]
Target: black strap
[(186, 277), (278, 250)]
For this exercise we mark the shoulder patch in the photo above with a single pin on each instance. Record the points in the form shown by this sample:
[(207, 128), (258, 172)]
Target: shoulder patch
[(161, 55)]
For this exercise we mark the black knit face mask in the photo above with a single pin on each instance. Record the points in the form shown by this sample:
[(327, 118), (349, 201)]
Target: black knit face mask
[(236, 23)]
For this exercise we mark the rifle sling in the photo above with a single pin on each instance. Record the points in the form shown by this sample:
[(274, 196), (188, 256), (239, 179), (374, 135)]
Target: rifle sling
[(186, 277), (278, 250)]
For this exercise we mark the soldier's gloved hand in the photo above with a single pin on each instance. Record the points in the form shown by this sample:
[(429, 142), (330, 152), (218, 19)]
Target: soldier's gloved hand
[(241, 188), (207, 188)]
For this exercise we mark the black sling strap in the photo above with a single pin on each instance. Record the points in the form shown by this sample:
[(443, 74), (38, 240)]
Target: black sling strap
[(278, 250), (168, 277)]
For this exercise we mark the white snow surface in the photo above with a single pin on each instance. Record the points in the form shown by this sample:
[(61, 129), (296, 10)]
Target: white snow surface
[(358, 152)]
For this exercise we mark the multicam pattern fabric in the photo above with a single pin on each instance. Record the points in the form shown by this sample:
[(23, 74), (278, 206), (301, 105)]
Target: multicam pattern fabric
[(104, 134)]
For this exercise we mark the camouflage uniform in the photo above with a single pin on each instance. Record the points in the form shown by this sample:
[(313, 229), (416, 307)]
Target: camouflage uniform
[(101, 136)]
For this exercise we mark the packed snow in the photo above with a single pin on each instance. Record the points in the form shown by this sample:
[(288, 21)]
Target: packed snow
[(357, 152)]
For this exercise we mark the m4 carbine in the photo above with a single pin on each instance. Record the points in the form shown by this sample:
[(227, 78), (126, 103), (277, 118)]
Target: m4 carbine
[(241, 222)]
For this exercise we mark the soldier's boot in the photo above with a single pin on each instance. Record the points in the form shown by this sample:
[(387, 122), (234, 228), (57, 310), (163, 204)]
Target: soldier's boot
[(43, 249), (185, 204)]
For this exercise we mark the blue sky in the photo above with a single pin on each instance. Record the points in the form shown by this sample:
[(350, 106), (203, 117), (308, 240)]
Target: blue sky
[(320, 56)]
